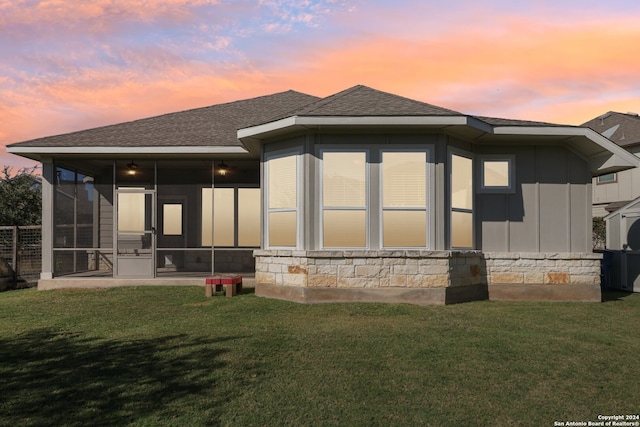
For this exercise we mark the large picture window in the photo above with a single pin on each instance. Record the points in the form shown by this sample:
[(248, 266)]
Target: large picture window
[(282, 201), (461, 183), (344, 199), (222, 224), (404, 199)]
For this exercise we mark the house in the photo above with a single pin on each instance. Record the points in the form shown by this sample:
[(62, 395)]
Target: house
[(614, 190), (616, 197), (360, 196), (622, 257)]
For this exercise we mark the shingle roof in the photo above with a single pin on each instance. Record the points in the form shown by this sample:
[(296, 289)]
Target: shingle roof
[(360, 101), (495, 121), (621, 128), (216, 125), (363, 101)]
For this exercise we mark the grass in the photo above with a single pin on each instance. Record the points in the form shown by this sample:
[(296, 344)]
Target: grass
[(169, 356)]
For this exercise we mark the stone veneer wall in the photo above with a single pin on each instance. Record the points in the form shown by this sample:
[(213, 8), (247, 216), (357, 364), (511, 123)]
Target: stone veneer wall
[(544, 276), (442, 276), (415, 277), (543, 268)]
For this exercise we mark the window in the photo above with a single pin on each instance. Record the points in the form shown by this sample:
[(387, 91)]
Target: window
[(344, 199), (497, 173), (404, 199), (607, 178), (248, 217), (282, 201), (221, 222), (172, 219), (461, 182), (131, 214)]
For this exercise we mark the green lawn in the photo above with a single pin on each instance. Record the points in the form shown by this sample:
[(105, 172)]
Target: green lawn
[(169, 356)]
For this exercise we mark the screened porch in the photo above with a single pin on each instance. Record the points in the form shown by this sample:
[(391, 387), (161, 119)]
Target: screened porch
[(154, 218)]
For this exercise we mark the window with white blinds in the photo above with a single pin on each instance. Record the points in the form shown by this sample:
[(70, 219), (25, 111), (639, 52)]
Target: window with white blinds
[(344, 199), (282, 201), (404, 199), (282, 183)]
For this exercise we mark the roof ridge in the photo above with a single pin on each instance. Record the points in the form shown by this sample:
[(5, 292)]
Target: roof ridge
[(324, 101), (414, 100), (359, 87)]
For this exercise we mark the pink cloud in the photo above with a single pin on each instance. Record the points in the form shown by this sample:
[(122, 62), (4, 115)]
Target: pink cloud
[(564, 71)]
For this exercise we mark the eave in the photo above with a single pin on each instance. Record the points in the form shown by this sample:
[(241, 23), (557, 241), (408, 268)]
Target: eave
[(603, 155), (40, 152)]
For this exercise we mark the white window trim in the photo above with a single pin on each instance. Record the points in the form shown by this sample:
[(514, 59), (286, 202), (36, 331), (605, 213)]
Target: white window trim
[(367, 207), (297, 152), (430, 172), (510, 159), (469, 155), (613, 181)]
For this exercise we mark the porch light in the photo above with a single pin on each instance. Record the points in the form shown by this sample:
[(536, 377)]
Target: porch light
[(222, 169), (132, 168)]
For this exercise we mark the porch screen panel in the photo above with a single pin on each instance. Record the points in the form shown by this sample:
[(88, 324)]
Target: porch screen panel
[(461, 201), (344, 199), (248, 217), (404, 199), (207, 217), (282, 201), (223, 217), (83, 221), (131, 214)]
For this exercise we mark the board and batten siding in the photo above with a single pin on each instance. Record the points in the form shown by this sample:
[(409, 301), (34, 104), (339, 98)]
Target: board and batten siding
[(549, 210)]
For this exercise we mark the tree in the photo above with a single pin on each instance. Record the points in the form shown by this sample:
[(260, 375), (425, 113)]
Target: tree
[(599, 233), (20, 197)]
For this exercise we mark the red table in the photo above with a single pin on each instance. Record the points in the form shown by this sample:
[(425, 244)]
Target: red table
[(231, 282)]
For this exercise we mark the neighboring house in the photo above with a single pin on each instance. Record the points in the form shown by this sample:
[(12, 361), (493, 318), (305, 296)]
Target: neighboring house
[(616, 197), (614, 190), (360, 196), (622, 261)]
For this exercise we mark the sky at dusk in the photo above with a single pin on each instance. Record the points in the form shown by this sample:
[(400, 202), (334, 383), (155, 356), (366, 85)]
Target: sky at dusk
[(71, 65)]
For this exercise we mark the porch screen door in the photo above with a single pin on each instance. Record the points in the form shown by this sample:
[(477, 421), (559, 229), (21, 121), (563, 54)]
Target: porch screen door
[(135, 233)]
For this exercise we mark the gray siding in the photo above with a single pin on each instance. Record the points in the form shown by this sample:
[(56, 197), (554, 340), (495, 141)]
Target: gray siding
[(549, 211)]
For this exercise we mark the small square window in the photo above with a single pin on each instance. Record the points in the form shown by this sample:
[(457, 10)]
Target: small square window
[(496, 173)]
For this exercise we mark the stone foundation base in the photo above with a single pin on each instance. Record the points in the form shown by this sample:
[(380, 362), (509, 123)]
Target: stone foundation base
[(557, 292), (426, 277), (418, 296)]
